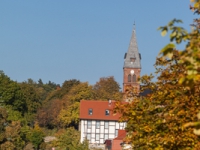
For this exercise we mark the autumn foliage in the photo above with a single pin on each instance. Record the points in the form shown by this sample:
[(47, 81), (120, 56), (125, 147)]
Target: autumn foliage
[(165, 119)]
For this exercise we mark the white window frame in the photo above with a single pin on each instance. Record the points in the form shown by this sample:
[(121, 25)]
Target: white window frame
[(107, 112)]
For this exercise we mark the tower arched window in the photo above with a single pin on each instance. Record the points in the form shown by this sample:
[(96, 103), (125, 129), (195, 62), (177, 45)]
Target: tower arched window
[(129, 78), (134, 78)]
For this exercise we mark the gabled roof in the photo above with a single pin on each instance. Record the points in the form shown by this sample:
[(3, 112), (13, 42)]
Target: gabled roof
[(132, 53), (98, 110)]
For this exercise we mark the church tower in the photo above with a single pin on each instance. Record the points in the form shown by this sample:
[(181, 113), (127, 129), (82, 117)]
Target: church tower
[(132, 65)]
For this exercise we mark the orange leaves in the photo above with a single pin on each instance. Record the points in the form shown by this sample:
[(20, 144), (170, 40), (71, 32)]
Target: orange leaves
[(159, 118)]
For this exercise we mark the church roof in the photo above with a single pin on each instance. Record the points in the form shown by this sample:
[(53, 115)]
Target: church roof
[(132, 57)]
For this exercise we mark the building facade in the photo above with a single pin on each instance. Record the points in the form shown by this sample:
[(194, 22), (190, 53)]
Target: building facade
[(97, 121)]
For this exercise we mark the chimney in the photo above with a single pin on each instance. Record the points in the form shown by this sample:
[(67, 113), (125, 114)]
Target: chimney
[(109, 102)]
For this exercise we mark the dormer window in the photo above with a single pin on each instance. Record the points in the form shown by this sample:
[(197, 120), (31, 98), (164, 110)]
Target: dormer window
[(132, 59), (90, 111), (107, 112)]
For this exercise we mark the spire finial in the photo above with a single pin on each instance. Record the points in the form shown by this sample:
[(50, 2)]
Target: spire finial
[(134, 25)]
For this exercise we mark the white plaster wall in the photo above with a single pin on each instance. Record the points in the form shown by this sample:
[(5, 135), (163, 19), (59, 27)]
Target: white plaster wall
[(93, 122), (97, 131), (112, 129), (92, 141), (102, 129), (101, 122), (93, 128), (111, 136), (89, 131), (106, 130), (101, 141), (82, 131), (117, 125), (111, 122)]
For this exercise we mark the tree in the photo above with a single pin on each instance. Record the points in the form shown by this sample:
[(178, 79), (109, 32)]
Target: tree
[(69, 116), (69, 139), (10, 93), (32, 101), (77, 93), (158, 120), (47, 116), (3, 123), (59, 93), (36, 136), (10, 132), (68, 84), (107, 88)]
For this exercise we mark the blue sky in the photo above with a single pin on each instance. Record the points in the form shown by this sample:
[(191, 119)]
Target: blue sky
[(58, 40)]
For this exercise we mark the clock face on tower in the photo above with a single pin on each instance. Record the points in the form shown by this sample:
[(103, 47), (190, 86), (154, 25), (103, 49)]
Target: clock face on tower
[(132, 72)]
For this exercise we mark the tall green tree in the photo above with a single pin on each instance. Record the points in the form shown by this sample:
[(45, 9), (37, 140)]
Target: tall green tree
[(10, 93), (32, 100)]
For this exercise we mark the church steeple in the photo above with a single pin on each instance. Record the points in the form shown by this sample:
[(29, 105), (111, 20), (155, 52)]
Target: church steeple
[(132, 65)]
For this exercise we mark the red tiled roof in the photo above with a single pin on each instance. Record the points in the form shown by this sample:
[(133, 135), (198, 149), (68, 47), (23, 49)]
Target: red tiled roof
[(121, 135), (98, 110)]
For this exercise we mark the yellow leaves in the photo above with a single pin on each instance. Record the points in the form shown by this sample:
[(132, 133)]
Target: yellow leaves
[(176, 90), (69, 115), (164, 32), (147, 129), (167, 50), (191, 72), (197, 131), (37, 127), (180, 113), (196, 5)]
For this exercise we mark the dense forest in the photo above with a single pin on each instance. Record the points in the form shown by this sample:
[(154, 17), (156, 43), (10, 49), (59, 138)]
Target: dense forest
[(31, 111)]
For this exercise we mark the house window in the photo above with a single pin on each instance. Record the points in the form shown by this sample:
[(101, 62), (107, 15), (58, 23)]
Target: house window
[(88, 136), (97, 137), (116, 132), (106, 124), (97, 124), (129, 78), (89, 124), (90, 111), (134, 78), (105, 136), (107, 112)]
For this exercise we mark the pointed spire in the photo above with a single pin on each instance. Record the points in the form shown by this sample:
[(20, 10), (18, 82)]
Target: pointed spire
[(132, 59), (134, 26)]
